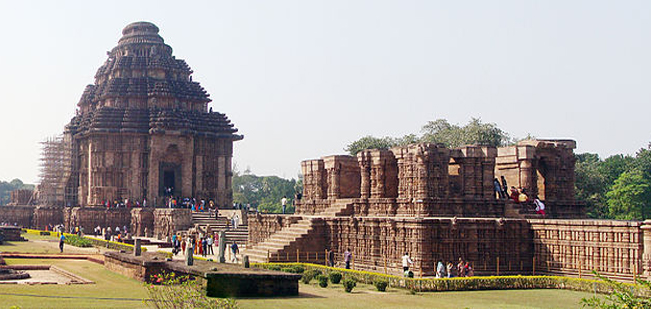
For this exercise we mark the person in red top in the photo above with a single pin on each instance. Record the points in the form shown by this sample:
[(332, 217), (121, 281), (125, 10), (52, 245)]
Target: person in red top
[(514, 194)]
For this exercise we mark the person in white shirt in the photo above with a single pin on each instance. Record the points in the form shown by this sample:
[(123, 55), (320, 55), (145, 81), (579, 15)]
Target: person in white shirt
[(406, 261), (284, 202), (540, 206)]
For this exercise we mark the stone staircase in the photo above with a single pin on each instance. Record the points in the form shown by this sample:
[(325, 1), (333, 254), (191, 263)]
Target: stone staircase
[(239, 235), (341, 207), (520, 210), (280, 242)]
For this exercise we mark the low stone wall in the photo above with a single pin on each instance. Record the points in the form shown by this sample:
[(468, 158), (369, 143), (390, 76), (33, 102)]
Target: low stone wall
[(222, 280), (11, 233), (19, 215), (132, 266)]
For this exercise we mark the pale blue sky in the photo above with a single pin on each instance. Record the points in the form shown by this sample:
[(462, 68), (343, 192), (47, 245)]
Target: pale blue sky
[(301, 79)]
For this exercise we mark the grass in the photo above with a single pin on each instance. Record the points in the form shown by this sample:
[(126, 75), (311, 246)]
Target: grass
[(107, 285), (110, 286), (44, 244), (366, 296)]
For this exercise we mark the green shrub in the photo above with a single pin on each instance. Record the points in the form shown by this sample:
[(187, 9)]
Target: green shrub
[(323, 280), (335, 277), (381, 285), (77, 241), (298, 269), (274, 267), (349, 284), (309, 274), (287, 269)]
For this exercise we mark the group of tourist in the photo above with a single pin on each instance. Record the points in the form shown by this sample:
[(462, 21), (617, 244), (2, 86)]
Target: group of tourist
[(462, 269), (200, 245), (519, 196)]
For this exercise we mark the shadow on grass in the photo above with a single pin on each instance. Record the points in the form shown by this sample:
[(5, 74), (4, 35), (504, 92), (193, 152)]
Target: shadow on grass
[(300, 295)]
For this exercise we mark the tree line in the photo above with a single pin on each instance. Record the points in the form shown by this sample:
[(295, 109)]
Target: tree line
[(264, 192), (7, 187)]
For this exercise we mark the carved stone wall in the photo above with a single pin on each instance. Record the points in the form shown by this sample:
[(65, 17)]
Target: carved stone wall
[(542, 167), (20, 215), (44, 216), (169, 220), (142, 220), (569, 247), (20, 197), (91, 217)]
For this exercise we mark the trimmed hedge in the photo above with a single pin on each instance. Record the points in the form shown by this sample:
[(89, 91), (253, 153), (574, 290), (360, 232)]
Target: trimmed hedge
[(94, 241), (465, 283), (77, 241)]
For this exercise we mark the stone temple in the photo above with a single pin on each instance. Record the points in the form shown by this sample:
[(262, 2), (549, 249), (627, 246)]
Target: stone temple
[(144, 126)]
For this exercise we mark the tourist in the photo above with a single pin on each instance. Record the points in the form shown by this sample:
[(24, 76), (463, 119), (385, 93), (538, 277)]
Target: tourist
[(284, 202), (117, 230), (61, 240), (440, 270), (183, 242), (523, 198), (235, 250), (236, 219), (204, 246), (406, 261), (505, 187), (498, 188), (470, 272), (189, 245), (540, 206), (461, 268), (209, 242), (331, 258), (347, 257), (450, 269), (514, 194)]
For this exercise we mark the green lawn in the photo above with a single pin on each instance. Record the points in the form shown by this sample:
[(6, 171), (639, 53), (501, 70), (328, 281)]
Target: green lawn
[(44, 244), (365, 296), (112, 290), (107, 285)]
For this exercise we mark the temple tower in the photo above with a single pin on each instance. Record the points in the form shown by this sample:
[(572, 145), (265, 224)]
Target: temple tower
[(143, 129)]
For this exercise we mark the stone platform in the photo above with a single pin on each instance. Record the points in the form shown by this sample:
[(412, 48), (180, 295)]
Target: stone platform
[(222, 280)]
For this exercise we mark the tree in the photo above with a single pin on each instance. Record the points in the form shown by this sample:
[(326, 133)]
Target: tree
[(622, 295), (264, 192), (630, 197), (474, 133), (438, 131), (591, 185)]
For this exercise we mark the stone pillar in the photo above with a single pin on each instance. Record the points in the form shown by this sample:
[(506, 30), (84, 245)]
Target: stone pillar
[(222, 246), (137, 249), (646, 255), (365, 168), (526, 176)]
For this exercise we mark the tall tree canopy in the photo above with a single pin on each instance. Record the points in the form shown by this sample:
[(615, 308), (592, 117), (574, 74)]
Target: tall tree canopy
[(7, 187), (265, 192), (441, 131)]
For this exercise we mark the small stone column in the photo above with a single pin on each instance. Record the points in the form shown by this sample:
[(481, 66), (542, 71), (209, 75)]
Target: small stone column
[(222, 246), (137, 247), (646, 254), (189, 255)]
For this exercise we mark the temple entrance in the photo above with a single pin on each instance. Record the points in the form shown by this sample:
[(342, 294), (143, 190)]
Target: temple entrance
[(170, 179)]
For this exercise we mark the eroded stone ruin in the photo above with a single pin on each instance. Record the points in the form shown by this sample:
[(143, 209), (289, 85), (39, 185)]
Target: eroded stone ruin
[(439, 204)]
